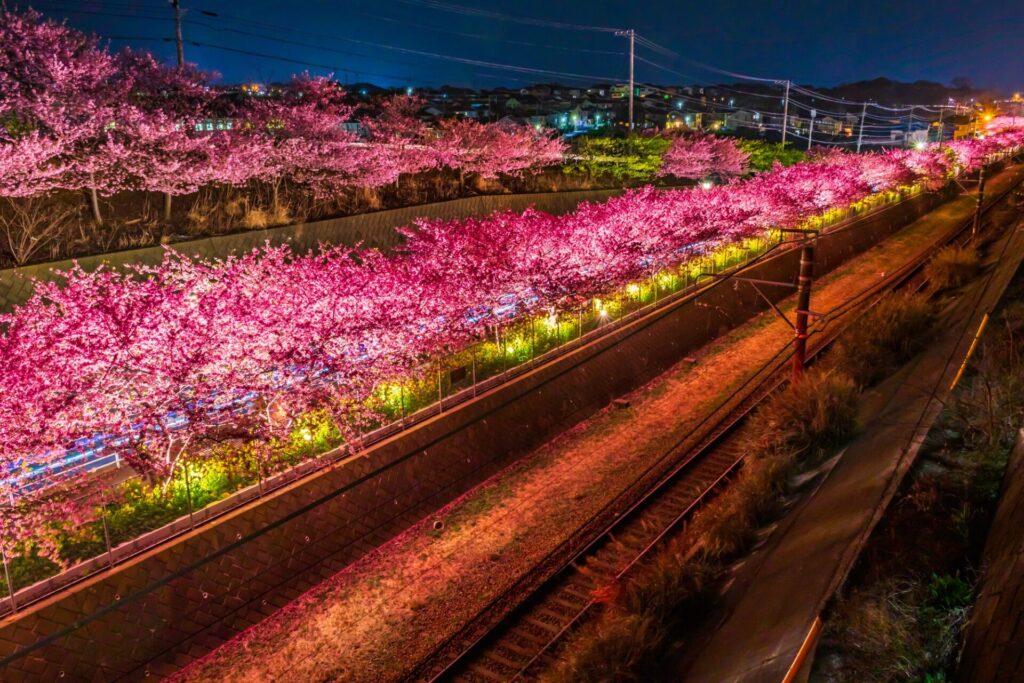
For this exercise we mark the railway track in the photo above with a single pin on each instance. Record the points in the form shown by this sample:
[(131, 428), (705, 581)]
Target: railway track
[(516, 636)]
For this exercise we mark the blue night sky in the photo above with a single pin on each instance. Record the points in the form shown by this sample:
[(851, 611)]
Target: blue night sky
[(811, 42)]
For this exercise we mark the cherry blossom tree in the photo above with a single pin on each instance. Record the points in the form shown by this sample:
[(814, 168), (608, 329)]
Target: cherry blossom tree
[(58, 92), (163, 360), (699, 157), (494, 149), (403, 143)]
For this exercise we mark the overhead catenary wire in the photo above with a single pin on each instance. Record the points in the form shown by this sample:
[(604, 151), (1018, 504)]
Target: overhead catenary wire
[(641, 41), (502, 16)]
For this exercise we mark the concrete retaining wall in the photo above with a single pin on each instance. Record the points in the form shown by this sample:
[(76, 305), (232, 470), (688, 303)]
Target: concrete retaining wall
[(372, 229), (176, 602)]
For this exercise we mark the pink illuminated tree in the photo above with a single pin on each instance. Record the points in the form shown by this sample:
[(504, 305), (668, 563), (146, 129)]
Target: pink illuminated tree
[(699, 157), (166, 359), (490, 150), (402, 143), (58, 94)]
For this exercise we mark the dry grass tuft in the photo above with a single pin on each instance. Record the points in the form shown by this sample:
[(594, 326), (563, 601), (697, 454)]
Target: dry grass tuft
[(952, 267), (811, 414), (281, 215), (234, 208), (256, 219), (884, 337)]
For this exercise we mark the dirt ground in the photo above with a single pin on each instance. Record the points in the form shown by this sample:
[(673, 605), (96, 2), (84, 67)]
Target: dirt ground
[(389, 609)]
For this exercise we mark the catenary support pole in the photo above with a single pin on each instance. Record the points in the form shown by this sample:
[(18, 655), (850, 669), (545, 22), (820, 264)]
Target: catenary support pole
[(860, 133), (981, 201), (785, 115), (803, 303)]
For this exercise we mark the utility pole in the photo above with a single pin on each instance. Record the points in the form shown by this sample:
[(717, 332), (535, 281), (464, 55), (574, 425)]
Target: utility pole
[(981, 201), (177, 32), (631, 34), (860, 134), (176, 5), (785, 115), (810, 129), (910, 120), (803, 305), (942, 131)]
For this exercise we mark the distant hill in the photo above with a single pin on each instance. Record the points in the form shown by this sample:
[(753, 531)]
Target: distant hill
[(890, 92)]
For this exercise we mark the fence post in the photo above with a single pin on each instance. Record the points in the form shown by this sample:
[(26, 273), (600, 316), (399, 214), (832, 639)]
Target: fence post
[(106, 532), (440, 389), (7, 570), (259, 475), (188, 496), (472, 351), (501, 350)]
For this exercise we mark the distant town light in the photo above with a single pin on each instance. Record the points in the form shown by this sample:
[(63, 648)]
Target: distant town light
[(706, 184), (920, 144), (408, 91)]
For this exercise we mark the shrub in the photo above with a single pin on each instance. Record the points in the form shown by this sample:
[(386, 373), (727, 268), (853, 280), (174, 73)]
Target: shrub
[(611, 650), (670, 580), (880, 632), (952, 267), (629, 159), (763, 155), (729, 526), (29, 226)]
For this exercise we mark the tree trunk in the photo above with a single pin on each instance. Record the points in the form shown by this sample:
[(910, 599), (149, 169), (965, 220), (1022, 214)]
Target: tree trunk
[(167, 206), (94, 202)]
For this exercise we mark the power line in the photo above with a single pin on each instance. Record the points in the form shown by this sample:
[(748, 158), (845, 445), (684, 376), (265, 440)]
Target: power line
[(265, 55), (651, 45), (501, 16), (404, 50), (481, 36), (467, 11)]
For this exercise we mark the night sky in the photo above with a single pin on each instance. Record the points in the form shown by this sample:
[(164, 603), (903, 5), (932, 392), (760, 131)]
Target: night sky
[(808, 41)]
